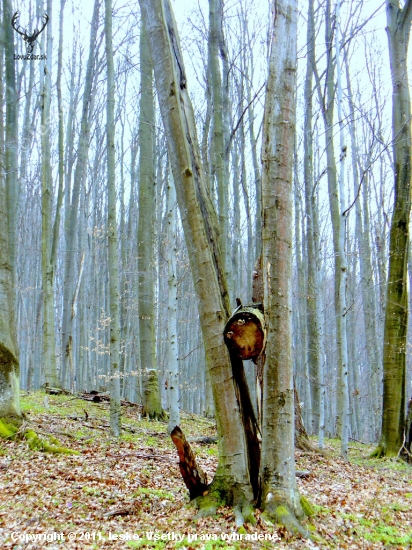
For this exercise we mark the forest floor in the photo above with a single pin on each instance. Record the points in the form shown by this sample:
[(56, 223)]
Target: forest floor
[(128, 492)]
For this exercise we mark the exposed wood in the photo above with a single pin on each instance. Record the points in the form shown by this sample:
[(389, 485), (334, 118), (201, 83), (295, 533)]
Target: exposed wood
[(245, 332), (193, 476)]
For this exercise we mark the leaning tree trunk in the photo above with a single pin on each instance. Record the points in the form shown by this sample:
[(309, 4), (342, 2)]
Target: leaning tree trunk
[(396, 318), (279, 493), (232, 480), (219, 143)]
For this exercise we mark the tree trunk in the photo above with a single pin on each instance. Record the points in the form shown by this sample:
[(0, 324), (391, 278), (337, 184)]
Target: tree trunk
[(396, 317), (115, 420), (343, 264), (311, 236), (279, 493), (219, 143), (338, 227), (9, 365), (232, 480), (49, 358), (146, 232), (173, 356)]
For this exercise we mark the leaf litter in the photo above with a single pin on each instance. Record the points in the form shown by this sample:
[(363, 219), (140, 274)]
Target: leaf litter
[(131, 487)]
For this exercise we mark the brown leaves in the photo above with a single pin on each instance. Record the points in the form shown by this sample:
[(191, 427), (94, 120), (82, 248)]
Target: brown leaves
[(133, 485)]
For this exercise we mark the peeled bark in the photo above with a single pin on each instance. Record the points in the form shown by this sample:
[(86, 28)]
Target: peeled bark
[(194, 477)]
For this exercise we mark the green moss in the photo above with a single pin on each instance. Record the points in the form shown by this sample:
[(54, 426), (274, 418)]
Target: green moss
[(213, 452), (37, 444), (146, 543), (7, 429), (387, 535), (282, 512), (307, 507), (208, 504)]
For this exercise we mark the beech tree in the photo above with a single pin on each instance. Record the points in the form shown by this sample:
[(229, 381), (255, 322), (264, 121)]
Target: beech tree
[(9, 364), (399, 22), (146, 233), (115, 414), (238, 480), (280, 496)]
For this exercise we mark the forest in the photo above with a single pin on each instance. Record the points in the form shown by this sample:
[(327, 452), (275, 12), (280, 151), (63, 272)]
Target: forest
[(205, 217)]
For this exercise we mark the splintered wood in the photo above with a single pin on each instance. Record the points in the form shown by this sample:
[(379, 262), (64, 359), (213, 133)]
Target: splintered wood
[(193, 476)]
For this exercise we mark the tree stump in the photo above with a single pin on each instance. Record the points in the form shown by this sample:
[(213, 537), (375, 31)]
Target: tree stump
[(245, 332)]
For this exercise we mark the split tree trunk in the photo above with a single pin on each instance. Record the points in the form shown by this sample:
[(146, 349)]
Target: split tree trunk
[(232, 480)]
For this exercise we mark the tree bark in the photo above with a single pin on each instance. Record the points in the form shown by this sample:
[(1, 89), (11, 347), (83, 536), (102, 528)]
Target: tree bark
[(9, 364), (219, 143), (232, 480), (279, 493), (115, 414), (146, 233), (396, 318), (49, 351), (173, 356)]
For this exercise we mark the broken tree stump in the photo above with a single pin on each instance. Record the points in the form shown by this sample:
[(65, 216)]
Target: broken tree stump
[(245, 332), (194, 477)]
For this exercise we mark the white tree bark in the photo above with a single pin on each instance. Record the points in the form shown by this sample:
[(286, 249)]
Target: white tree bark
[(173, 358), (115, 414)]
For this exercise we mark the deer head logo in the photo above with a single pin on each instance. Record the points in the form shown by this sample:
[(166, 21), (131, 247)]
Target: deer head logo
[(30, 39)]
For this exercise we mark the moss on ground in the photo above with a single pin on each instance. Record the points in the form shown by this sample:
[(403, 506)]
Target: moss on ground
[(9, 430)]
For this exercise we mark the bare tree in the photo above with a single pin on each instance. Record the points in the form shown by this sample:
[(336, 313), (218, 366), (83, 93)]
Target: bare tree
[(279, 493), (146, 233), (396, 319), (9, 364), (115, 420)]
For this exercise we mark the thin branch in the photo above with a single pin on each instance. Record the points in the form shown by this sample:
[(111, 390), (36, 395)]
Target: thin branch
[(232, 135)]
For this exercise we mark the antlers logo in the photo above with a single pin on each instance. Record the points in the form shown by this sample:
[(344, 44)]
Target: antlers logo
[(30, 39)]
